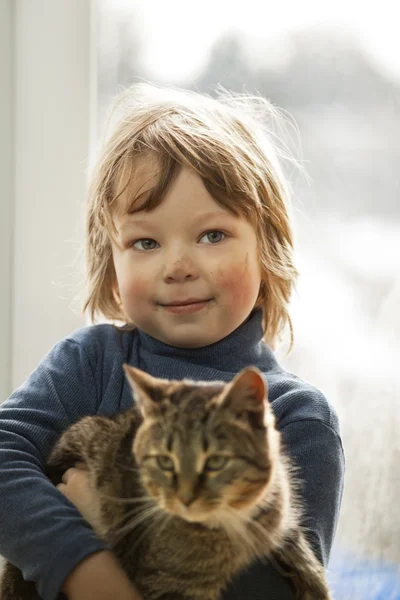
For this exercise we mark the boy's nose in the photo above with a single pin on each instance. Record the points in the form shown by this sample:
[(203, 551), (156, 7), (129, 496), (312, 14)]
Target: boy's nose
[(180, 270)]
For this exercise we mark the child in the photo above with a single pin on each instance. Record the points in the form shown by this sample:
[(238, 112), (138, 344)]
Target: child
[(189, 244)]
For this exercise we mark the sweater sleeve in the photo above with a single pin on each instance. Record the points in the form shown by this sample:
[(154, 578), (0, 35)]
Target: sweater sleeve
[(317, 451), (41, 532)]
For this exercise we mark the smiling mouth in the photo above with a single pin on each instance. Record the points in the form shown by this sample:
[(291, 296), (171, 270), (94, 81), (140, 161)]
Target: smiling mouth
[(186, 307), (187, 301)]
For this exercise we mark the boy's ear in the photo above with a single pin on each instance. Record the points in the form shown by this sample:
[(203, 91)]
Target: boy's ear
[(146, 390)]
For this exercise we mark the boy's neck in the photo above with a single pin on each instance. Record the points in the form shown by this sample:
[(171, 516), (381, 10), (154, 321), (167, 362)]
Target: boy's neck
[(243, 347)]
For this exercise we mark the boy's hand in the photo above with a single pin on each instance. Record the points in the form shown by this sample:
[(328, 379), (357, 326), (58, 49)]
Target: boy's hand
[(76, 487), (99, 577)]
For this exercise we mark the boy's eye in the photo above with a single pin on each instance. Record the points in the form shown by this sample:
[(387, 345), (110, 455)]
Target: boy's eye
[(213, 237), (165, 463), (148, 244), (216, 462)]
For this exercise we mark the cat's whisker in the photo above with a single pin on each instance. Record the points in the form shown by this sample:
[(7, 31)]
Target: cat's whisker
[(160, 522), (129, 515), (158, 517), (167, 518), (127, 468), (138, 509), (256, 525), (240, 526), (259, 533), (139, 520), (125, 500)]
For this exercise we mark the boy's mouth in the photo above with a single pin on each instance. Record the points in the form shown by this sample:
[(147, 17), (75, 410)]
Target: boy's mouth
[(185, 302), (185, 306)]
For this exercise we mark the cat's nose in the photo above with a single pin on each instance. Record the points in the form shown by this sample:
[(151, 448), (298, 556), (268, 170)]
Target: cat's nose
[(186, 496)]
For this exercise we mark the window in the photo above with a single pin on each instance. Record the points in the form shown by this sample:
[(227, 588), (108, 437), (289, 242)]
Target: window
[(335, 69)]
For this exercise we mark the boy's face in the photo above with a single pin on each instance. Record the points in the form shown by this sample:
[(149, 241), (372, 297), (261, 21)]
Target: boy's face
[(188, 249)]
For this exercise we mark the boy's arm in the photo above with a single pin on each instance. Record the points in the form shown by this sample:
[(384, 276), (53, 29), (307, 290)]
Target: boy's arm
[(99, 577), (41, 532), (318, 453)]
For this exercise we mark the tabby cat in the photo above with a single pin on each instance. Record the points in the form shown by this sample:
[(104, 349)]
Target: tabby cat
[(192, 487)]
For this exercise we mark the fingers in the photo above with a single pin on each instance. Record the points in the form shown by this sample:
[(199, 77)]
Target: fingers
[(79, 467), (74, 484), (76, 487)]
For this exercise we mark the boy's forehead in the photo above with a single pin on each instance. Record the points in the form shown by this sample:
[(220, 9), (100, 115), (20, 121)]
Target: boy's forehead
[(139, 190), (136, 180)]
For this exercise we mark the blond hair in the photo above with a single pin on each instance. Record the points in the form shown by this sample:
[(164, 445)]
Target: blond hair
[(226, 142)]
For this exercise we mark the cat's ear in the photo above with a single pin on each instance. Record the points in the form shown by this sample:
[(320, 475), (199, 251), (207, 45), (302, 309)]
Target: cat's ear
[(146, 389), (247, 393)]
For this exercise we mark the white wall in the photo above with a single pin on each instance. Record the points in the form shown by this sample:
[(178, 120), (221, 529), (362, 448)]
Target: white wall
[(47, 153)]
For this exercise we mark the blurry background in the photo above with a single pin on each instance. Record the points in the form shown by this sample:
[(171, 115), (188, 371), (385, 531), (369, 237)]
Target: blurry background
[(335, 67)]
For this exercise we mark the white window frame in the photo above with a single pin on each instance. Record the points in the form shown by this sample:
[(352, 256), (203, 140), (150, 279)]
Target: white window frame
[(48, 115), (6, 179)]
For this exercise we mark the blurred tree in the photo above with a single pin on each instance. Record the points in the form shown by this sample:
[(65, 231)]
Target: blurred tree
[(326, 68), (347, 111)]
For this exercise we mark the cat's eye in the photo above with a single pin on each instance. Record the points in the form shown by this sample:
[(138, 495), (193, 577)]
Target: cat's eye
[(165, 463), (216, 462)]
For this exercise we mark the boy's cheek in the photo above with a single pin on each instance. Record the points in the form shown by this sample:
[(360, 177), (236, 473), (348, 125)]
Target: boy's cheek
[(132, 292), (239, 283)]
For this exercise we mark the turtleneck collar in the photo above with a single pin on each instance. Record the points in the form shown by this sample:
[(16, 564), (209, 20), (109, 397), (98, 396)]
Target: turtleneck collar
[(243, 347)]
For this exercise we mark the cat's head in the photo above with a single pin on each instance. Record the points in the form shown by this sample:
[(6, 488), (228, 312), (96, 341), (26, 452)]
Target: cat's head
[(205, 450)]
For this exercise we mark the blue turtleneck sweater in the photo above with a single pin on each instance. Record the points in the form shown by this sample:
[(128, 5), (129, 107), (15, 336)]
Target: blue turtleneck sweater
[(43, 534)]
